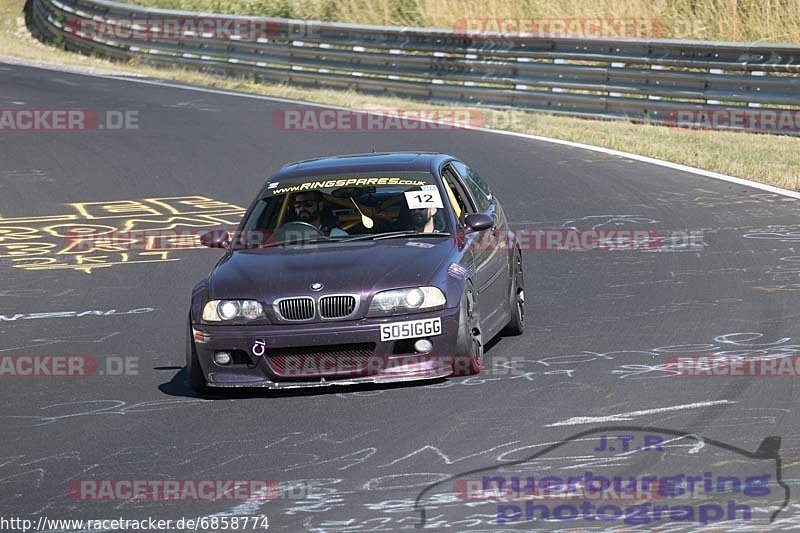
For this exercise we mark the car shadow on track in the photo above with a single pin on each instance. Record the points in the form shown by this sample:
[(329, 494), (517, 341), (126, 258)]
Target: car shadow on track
[(179, 386)]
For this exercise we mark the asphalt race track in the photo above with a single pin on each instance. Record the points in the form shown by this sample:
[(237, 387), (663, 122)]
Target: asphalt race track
[(601, 326)]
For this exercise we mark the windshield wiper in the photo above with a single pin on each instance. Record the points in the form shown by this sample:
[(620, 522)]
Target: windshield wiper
[(411, 233), (394, 235), (315, 240)]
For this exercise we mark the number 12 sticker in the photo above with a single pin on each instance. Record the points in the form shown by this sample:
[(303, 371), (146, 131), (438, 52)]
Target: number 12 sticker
[(427, 197)]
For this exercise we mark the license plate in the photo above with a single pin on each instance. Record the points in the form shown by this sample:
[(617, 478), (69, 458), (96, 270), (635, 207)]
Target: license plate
[(411, 329)]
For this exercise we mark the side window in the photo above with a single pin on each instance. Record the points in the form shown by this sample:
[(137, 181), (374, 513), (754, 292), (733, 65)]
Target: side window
[(458, 196), (480, 191)]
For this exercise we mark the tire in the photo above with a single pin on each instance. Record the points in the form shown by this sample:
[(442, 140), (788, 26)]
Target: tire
[(197, 380), (469, 358), (516, 325)]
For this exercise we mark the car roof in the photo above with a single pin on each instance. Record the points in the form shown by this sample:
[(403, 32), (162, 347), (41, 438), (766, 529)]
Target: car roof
[(362, 163)]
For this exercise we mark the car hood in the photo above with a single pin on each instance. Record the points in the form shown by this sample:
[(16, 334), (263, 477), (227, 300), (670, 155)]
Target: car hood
[(354, 268)]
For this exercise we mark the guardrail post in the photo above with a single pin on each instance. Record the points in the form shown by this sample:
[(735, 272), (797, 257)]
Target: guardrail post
[(628, 79)]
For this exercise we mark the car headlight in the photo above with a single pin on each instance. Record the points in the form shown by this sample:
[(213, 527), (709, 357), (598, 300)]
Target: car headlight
[(413, 299), (219, 310)]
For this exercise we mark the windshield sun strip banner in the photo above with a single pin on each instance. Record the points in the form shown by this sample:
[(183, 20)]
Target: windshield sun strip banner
[(347, 182)]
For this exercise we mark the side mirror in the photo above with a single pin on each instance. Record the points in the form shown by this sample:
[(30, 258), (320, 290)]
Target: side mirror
[(215, 239), (479, 221)]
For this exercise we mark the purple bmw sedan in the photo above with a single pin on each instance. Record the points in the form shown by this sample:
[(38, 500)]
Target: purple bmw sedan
[(366, 268)]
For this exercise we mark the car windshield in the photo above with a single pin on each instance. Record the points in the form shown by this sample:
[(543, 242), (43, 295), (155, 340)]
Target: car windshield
[(339, 208)]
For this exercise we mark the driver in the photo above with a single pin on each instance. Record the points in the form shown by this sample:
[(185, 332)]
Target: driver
[(422, 219), (309, 207)]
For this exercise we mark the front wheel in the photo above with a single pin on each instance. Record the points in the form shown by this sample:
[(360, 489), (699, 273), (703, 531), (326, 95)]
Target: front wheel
[(197, 380), (516, 325), (469, 359)]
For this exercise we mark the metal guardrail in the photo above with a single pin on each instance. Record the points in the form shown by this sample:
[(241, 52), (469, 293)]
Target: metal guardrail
[(640, 80)]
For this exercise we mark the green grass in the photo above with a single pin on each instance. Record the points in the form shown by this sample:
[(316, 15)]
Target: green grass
[(766, 158), (725, 20)]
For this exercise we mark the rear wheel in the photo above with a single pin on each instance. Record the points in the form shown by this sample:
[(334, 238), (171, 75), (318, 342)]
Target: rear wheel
[(197, 380), (516, 325), (469, 359)]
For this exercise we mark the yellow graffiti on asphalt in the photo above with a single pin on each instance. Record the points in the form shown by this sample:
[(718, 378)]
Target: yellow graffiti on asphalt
[(794, 287), (72, 241)]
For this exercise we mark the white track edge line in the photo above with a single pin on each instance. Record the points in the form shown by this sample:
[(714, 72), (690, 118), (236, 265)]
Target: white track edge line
[(552, 140)]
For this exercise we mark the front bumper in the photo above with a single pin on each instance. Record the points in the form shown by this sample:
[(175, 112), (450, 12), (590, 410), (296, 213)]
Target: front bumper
[(256, 364)]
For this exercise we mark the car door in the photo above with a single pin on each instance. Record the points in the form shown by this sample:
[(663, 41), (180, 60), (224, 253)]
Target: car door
[(496, 256), (489, 260)]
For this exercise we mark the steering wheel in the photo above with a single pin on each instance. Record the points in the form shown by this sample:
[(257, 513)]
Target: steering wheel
[(296, 231)]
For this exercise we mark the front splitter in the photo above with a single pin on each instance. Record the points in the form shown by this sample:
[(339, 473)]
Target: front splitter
[(346, 382)]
